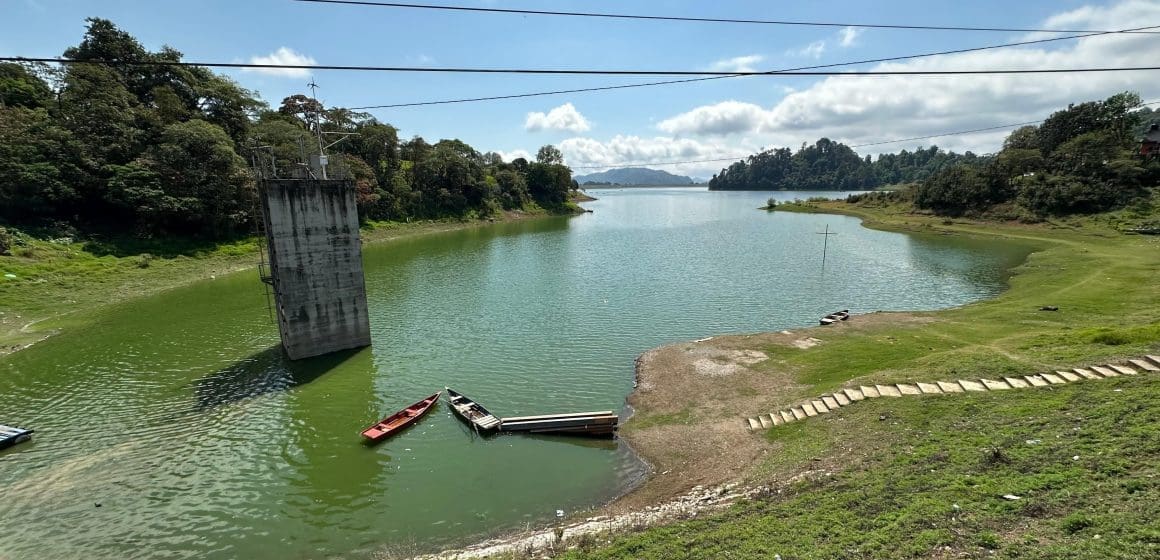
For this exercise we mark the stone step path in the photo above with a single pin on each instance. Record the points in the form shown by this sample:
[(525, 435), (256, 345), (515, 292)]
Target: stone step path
[(846, 397)]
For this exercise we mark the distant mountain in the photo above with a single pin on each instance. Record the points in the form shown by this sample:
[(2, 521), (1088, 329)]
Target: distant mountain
[(634, 176)]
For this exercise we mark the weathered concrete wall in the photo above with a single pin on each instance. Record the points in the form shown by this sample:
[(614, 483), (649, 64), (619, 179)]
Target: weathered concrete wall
[(316, 265)]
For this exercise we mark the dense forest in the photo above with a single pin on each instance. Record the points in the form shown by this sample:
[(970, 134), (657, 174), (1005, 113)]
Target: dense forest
[(829, 165), (153, 150), (1083, 159)]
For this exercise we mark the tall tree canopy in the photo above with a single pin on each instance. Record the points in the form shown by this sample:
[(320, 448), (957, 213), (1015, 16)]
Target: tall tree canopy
[(164, 150)]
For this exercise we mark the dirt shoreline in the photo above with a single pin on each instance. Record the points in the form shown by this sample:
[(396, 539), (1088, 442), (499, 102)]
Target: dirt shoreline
[(693, 383)]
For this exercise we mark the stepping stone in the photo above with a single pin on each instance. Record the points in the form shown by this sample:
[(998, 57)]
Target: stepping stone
[(870, 392), (809, 409), (1068, 375), (1123, 369), (830, 402), (908, 389), (842, 399), (1144, 365), (787, 416), (949, 387), (1155, 359), (972, 385), (995, 385), (854, 394), (765, 423), (1016, 382), (888, 391), (754, 424), (1087, 373), (1105, 371), (777, 421), (820, 407), (929, 388), (1054, 379), (1036, 381), (798, 413)]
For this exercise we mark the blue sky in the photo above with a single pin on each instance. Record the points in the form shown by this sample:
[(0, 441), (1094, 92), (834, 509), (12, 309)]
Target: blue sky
[(721, 118)]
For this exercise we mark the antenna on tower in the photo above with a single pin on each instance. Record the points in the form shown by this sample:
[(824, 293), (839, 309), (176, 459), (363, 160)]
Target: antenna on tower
[(320, 166)]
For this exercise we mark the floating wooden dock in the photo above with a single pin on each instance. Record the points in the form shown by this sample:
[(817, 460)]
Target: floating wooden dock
[(11, 435), (601, 423)]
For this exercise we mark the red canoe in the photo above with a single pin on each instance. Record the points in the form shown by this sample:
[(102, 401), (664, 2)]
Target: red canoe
[(396, 422)]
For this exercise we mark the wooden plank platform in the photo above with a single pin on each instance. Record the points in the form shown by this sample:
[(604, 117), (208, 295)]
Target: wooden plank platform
[(559, 416), (602, 422)]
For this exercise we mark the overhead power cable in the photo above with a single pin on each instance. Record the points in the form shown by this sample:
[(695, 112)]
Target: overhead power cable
[(701, 19), (896, 141), (690, 80), (575, 72)]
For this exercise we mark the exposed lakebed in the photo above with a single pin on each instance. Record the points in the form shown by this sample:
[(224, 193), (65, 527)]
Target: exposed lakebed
[(178, 415)]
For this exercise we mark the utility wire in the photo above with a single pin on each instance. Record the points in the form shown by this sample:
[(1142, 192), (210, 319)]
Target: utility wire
[(701, 19), (563, 71), (737, 158), (690, 80)]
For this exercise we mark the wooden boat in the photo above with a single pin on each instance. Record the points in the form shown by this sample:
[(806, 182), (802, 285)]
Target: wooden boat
[(835, 317), (472, 412), (395, 423), (11, 435)]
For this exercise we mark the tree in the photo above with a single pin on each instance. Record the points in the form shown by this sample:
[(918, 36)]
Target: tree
[(41, 167), (1022, 138), (307, 110), (958, 190), (19, 87), (192, 182), (550, 155)]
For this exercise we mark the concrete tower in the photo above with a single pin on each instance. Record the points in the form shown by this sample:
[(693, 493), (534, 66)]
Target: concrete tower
[(315, 265)]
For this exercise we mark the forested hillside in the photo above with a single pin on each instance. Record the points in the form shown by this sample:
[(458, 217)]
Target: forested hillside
[(165, 150), (1083, 159), (829, 165)]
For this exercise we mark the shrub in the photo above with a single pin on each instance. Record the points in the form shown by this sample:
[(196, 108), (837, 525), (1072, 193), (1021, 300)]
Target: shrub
[(1075, 523), (6, 241)]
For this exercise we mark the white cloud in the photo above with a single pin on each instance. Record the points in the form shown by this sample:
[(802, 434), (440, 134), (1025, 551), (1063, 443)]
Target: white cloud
[(859, 110), (737, 64), (724, 118), (283, 56), (514, 154), (848, 35), (812, 50), (587, 155), (564, 117)]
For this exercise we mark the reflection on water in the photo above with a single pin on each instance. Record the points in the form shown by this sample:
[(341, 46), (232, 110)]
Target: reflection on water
[(265, 372), (179, 415)]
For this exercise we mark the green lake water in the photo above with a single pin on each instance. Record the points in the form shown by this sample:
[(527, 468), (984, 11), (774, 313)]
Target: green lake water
[(172, 427)]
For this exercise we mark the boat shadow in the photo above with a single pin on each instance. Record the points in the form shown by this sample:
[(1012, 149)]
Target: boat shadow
[(264, 372)]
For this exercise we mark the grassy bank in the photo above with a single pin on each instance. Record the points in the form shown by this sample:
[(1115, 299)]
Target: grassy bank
[(45, 281), (924, 478)]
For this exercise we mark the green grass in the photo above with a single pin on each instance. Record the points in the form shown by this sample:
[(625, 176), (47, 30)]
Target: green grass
[(927, 477), (685, 416)]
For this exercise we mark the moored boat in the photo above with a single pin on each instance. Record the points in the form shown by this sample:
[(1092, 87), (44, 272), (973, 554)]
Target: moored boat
[(396, 422), (11, 435), (835, 317), (473, 412)]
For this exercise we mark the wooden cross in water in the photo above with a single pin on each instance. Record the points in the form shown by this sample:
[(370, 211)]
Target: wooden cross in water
[(826, 243)]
